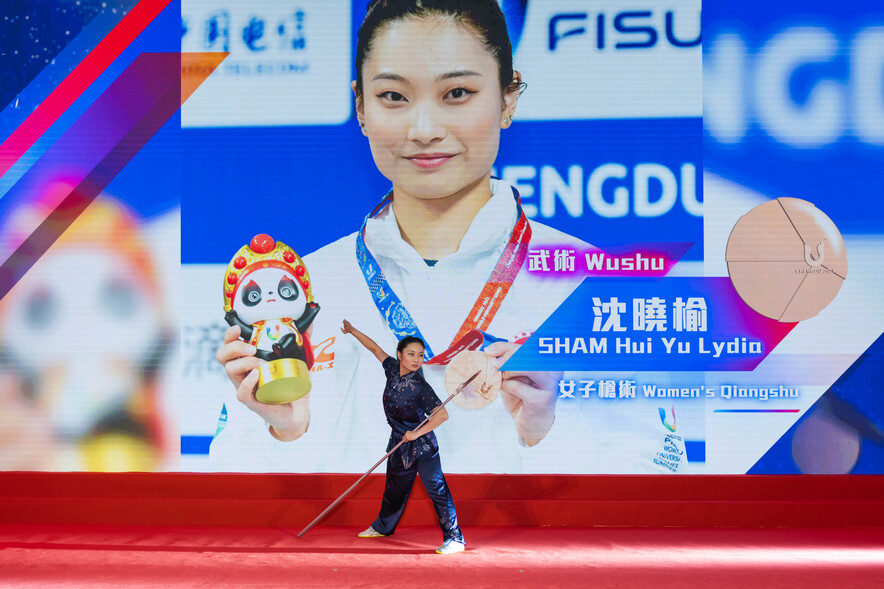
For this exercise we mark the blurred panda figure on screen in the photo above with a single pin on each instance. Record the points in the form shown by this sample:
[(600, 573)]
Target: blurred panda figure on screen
[(81, 337)]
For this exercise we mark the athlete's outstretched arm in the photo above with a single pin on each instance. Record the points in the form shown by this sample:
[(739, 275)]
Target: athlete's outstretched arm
[(366, 341)]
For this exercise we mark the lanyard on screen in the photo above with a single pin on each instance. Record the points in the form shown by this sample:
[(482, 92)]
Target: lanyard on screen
[(471, 334)]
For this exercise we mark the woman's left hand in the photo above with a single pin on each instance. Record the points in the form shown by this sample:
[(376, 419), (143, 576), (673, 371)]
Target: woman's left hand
[(411, 436), (530, 397)]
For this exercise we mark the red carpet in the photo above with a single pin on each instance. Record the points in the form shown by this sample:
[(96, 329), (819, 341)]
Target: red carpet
[(131, 556), (215, 530)]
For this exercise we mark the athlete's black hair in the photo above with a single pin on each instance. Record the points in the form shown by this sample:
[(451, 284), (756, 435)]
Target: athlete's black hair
[(483, 18), (410, 339)]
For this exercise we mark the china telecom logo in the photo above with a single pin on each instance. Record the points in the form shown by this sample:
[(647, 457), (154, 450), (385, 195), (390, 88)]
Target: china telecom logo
[(514, 11)]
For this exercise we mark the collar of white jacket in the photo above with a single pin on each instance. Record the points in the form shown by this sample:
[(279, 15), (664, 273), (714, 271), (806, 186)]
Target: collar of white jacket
[(489, 232)]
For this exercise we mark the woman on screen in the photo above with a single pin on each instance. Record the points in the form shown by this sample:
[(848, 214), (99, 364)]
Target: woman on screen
[(435, 259)]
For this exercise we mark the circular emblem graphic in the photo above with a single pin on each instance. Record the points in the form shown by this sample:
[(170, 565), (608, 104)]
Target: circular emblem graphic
[(786, 259)]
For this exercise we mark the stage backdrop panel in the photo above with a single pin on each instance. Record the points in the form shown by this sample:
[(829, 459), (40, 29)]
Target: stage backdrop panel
[(646, 133)]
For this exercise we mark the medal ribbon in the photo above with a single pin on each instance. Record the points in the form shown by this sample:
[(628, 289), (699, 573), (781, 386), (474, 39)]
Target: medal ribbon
[(497, 286)]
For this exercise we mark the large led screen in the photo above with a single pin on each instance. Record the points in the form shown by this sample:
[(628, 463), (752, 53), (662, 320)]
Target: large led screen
[(660, 247)]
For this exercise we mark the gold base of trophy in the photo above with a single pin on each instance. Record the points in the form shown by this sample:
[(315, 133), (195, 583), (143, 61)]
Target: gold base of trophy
[(118, 452), (282, 381)]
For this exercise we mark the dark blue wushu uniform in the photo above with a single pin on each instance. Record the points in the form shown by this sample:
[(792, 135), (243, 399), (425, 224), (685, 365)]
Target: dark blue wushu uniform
[(408, 400)]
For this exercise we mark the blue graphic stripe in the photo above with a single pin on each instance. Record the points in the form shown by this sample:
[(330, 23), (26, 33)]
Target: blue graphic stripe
[(696, 450), (195, 445)]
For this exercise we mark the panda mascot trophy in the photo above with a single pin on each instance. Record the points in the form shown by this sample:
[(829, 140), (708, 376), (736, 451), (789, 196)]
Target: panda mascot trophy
[(267, 294)]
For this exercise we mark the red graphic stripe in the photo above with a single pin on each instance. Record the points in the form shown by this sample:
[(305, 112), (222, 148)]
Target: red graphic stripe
[(130, 112), (70, 89)]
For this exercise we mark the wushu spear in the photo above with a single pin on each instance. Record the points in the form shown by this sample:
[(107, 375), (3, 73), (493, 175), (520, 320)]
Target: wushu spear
[(387, 455)]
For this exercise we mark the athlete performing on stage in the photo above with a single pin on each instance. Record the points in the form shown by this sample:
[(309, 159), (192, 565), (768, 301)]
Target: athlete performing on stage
[(407, 400)]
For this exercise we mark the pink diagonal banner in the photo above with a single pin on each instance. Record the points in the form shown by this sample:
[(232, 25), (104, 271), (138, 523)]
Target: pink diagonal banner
[(73, 86), (100, 144)]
